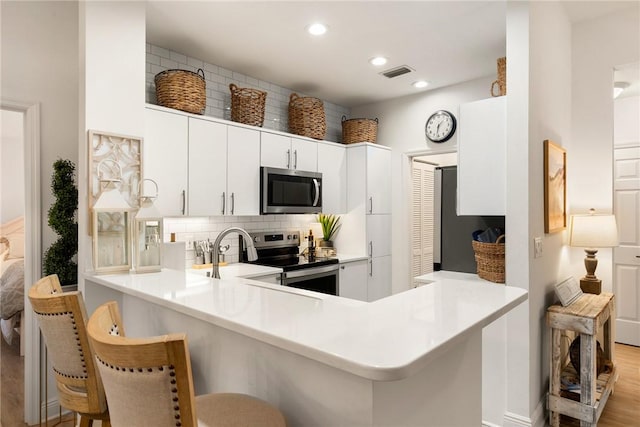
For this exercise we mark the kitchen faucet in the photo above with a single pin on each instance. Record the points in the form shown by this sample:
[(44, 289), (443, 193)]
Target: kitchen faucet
[(252, 254)]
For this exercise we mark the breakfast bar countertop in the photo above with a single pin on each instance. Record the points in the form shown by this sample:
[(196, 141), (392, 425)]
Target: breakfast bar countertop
[(385, 340)]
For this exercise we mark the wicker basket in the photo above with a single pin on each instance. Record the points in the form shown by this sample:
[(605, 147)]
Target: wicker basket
[(247, 105), (502, 78), (359, 130), (182, 90), (490, 260), (306, 117)]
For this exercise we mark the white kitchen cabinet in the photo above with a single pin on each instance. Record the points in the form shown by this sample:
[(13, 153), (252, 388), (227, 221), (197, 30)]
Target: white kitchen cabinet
[(243, 171), (378, 235), (369, 178), (207, 167), (482, 157), (379, 278), (353, 280), (332, 163), (165, 159), (281, 151)]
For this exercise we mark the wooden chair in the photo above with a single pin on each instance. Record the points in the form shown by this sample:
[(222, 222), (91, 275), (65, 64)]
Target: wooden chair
[(148, 382), (62, 318)]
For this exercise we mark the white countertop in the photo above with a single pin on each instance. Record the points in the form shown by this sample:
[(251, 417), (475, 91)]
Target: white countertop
[(244, 270), (386, 340)]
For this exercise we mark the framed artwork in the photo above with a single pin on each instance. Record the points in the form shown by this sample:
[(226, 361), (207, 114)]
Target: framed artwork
[(555, 187)]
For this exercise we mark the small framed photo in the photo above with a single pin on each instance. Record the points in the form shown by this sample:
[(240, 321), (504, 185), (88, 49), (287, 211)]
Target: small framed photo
[(555, 187)]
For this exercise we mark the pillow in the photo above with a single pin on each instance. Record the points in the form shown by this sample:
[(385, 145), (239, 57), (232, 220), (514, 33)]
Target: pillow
[(16, 245)]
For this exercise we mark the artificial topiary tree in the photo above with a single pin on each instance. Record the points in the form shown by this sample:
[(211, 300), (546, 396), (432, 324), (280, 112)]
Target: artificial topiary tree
[(58, 259)]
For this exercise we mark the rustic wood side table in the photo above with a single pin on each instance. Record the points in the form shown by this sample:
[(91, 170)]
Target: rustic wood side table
[(586, 316)]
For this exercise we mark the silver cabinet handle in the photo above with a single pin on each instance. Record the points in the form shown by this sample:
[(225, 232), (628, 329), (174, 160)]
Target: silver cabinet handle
[(224, 201), (184, 201), (370, 247), (342, 267), (233, 202), (316, 184), (295, 159), (371, 267), (288, 159), (370, 204)]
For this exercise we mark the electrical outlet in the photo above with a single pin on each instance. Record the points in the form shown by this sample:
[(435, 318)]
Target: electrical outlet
[(537, 247)]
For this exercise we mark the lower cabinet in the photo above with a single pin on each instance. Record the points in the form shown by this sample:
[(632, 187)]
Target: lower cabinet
[(379, 278), (353, 280)]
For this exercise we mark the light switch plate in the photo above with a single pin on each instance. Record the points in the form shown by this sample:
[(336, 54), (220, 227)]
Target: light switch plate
[(537, 247)]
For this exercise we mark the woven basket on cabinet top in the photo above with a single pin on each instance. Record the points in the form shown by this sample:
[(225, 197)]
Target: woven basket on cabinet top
[(490, 260), (181, 89), (306, 116), (359, 130), (247, 105)]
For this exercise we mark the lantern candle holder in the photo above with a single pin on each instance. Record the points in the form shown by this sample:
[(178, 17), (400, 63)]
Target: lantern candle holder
[(148, 233), (111, 224)]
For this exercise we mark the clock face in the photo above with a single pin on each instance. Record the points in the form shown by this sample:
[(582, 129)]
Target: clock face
[(440, 127)]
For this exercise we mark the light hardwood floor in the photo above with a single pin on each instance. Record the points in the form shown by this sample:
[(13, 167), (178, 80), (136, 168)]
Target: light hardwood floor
[(622, 410)]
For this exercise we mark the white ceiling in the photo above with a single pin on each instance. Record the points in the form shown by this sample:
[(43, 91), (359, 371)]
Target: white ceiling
[(445, 42)]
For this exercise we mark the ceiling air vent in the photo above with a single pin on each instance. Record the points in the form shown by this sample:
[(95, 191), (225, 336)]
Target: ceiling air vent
[(395, 72)]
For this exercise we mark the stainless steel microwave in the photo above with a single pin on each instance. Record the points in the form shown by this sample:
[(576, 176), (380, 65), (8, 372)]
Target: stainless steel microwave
[(288, 191)]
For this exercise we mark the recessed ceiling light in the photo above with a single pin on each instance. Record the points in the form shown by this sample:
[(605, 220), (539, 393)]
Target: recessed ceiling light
[(378, 61), (317, 29), (420, 84)]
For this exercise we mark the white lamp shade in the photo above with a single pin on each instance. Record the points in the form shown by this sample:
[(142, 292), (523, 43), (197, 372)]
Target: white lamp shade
[(593, 231)]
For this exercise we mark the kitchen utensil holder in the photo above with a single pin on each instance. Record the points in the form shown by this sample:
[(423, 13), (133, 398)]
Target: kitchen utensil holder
[(306, 116), (490, 260), (359, 130), (182, 90), (247, 105)]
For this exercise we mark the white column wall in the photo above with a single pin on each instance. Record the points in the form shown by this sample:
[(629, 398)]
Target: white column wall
[(112, 87)]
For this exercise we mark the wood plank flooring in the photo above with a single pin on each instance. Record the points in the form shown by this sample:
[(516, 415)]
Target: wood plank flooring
[(622, 409)]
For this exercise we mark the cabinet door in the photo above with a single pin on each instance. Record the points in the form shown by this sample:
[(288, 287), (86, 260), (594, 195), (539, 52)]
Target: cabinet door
[(165, 159), (482, 157), (243, 171), (379, 280), (275, 151), (304, 155), (332, 163), (353, 280), (378, 235), (207, 167), (378, 180)]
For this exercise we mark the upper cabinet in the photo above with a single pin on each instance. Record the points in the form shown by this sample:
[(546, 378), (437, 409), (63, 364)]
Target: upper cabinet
[(165, 157), (482, 157), (369, 177), (285, 152), (243, 172), (332, 163)]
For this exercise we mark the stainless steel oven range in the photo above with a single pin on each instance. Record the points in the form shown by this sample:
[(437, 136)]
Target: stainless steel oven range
[(281, 249)]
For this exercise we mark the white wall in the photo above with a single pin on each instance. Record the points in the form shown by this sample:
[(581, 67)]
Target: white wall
[(11, 166), (599, 45), (40, 64), (401, 127)]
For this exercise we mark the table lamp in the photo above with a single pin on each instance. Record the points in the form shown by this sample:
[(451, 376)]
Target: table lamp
[(592, 231)]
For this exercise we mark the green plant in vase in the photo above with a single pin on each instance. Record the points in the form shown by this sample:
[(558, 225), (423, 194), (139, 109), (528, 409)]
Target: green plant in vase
[(59, 258), (330, 225)]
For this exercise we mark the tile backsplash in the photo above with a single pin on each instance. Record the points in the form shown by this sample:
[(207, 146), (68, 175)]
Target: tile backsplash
[(189, 230), (217, 80)]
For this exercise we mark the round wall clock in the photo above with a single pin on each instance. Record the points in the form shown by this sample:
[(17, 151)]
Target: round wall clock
[(440, 127)]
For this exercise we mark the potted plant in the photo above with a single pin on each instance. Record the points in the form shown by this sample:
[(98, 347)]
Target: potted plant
[(59, 258), (330, 226)]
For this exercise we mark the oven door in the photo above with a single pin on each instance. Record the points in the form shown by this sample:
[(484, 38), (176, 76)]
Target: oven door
[(290, 191), (323, 279)]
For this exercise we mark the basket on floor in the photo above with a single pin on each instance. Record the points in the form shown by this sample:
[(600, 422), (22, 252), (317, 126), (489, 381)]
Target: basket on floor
[(359, 130), (182, 90), (306, 117), (490, 260), (247, 105)]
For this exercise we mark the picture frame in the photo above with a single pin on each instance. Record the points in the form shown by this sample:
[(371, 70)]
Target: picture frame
[(555, 187)]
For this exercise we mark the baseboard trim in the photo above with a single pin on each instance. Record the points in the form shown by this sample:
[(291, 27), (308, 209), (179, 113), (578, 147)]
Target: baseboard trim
[(537, 419), (488, 424), (51, 410)]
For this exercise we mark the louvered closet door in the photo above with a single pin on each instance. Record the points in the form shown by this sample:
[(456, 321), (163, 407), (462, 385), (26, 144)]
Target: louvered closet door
[(422, 223)]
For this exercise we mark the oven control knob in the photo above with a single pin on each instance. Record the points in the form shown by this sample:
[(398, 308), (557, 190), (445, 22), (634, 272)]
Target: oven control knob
[(256, 239), (289, 237)]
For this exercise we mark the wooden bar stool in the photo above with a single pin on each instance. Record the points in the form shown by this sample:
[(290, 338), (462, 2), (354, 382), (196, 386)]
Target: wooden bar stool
[(148, 382)]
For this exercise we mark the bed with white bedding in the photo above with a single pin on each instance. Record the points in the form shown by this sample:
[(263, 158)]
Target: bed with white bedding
[(11, 276)]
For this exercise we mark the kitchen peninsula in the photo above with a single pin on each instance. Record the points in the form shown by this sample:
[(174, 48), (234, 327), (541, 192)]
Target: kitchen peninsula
[(408, 359)]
